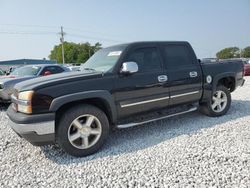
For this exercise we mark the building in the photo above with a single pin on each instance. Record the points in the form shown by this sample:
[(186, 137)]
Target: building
[(6, 65)]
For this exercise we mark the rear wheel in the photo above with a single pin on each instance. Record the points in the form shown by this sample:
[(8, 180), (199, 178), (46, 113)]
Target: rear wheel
[(82, 130), (219, 103)]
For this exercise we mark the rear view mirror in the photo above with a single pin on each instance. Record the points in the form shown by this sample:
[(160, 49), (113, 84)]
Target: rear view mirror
[(129, 68)]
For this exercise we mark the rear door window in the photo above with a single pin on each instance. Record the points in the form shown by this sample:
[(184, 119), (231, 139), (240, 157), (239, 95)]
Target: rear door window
[(177, 56)]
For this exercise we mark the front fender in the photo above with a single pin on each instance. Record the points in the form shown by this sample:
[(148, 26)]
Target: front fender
[(100, 94)]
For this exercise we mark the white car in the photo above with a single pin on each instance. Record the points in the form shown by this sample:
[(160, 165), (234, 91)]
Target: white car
[(74, 68)]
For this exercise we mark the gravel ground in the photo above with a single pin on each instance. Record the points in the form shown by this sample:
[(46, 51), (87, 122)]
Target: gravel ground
[(187, 151)]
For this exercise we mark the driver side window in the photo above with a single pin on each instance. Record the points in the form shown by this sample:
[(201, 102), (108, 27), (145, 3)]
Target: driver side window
[(148, 59)]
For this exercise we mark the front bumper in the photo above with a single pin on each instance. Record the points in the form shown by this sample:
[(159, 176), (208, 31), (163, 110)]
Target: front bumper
[(38, 129)]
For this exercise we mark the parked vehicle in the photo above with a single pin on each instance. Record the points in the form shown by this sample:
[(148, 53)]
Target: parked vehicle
[(25, 73), (245, 61), (2, 72), (74, 68), (209, 60), (246, 67), (120, 87)]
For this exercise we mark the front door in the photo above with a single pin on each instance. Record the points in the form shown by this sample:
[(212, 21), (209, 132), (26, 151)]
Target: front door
[(144, 90)]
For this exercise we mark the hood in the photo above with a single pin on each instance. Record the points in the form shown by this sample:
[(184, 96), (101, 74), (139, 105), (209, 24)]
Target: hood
[(5, 79), (46, 81)]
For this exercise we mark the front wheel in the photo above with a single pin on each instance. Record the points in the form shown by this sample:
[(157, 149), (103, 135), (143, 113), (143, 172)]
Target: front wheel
[(219, 103), (82, 130)]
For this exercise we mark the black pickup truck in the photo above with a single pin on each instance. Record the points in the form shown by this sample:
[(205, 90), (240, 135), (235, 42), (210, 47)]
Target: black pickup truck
[(118, 87)]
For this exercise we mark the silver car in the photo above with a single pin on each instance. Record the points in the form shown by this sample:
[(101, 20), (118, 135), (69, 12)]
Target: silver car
[(25, 73)]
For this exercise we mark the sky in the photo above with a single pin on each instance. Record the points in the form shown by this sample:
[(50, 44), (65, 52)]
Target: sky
[(29, 28)]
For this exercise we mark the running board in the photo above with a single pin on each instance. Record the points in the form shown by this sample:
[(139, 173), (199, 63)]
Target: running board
[(123, 126)]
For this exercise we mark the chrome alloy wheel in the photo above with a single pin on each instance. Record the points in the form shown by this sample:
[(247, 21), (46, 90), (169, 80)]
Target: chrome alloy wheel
[(84, 131), (219, 101)]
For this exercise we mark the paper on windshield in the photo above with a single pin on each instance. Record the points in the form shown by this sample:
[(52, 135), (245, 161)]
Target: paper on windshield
[(115, 53)]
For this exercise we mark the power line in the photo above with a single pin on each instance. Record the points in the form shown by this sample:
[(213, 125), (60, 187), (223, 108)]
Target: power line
[(20, 25), (67, 28), (86, 31), (95, 38), (45, 26), (55, 33), (26, 33)]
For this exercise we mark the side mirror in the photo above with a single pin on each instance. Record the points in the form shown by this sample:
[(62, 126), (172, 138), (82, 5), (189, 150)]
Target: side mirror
[(129, 68), (46, 73)]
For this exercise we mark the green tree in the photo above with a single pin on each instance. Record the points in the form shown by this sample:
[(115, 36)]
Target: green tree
[(246, 52), (232, 52), (74, 53)]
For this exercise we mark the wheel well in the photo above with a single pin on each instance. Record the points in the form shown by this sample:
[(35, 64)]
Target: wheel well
[(99, 103), (228, 82)]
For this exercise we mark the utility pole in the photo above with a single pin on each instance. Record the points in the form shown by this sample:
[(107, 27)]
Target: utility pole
[(62, 41)]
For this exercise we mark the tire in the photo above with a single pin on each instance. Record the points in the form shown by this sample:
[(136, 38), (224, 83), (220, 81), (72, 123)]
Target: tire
[(209, 108), (82, 130)]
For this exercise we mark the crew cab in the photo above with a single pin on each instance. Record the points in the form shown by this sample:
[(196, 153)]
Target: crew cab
[(118, 87)]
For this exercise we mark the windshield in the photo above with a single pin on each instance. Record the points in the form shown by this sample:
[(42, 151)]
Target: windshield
[(1, 72), (26, 71), (104, 60)]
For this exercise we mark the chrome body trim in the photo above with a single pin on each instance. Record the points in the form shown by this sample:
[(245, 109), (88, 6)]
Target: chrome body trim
[(129, 67), (158, 99), (162, 78), (184, 94), (193, 74), (18, 101), (144, 102), (123, 126)]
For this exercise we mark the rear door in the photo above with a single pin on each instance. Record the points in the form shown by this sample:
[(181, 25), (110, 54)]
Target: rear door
[(184, 73), (144, 90)]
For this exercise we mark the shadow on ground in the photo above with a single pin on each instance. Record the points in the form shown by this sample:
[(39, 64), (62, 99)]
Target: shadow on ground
[(141, 137), (4, 106)]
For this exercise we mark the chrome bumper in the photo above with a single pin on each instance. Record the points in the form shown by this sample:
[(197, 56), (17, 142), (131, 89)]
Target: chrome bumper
[(42, 128)]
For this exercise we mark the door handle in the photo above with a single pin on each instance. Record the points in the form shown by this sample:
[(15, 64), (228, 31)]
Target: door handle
[(193, 74), (162, 78)]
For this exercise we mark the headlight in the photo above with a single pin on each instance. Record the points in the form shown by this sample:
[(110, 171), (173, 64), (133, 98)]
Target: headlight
[(25, 95), (24, 102), (30, 102)]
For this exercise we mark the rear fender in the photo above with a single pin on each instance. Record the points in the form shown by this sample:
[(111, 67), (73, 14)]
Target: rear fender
[(221, 76)]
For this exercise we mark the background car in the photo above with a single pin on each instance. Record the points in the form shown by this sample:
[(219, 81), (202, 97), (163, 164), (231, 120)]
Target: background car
[(25, 73), (209, 60), (247, 67), (2, 72), (74, 68)]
